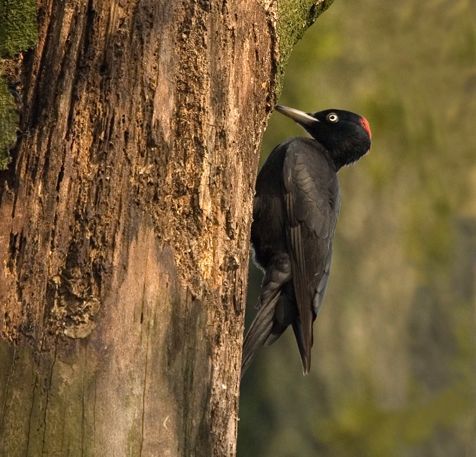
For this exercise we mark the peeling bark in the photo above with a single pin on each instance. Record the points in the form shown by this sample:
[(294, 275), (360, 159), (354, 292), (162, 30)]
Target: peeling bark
[(124, 223)]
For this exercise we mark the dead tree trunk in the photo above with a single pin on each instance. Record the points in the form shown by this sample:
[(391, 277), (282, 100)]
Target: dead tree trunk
[(124, 222)]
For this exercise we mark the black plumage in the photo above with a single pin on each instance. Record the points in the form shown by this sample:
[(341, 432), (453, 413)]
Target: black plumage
[(294, 218)]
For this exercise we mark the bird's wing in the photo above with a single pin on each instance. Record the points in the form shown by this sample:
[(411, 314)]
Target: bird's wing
[(309, 230)]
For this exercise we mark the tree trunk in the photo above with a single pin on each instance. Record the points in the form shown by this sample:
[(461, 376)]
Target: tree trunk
[(124, 224)]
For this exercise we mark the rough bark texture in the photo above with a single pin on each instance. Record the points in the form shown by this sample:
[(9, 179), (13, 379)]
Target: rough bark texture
[(124, 222)]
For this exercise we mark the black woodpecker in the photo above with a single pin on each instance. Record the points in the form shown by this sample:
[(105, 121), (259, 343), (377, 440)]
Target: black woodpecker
[(294, 218)]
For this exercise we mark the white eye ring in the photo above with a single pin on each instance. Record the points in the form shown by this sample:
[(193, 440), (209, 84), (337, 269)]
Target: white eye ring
[(332, 117)]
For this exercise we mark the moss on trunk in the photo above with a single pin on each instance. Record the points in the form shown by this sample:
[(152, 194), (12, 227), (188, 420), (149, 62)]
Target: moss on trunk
[(293, 19), (18, 32)]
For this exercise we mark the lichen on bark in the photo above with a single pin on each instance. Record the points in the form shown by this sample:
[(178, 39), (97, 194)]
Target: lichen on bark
[(18, 32)]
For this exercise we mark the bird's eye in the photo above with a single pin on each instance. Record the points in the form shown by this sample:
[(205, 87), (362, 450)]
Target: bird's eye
[(333, 117)]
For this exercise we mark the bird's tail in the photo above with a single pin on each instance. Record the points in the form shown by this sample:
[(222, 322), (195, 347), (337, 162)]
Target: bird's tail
[(304, 351), (277, 274), (259, 331)]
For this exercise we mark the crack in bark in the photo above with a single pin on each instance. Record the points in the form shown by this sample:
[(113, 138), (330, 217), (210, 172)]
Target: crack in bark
[(144, 391), (274, 75), (146, 356), (31, 410), (94, 415), (7, 387), (48, 388), (63, 430), (83, 401), (35, 90)]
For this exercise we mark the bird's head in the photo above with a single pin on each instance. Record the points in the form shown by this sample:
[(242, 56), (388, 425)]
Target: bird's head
[(345, 135)]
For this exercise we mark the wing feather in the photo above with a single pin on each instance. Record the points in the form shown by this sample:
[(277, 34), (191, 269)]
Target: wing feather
[(309, 185)]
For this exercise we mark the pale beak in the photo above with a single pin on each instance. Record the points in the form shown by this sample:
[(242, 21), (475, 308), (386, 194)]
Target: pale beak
[(300, 117)]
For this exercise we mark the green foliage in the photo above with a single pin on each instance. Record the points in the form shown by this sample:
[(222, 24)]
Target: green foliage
[(394, 355)]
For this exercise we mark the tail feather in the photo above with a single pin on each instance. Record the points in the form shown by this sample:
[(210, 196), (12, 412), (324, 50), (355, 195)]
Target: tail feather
[(304, 351), (285, 313), (277, 274), (259, 331)]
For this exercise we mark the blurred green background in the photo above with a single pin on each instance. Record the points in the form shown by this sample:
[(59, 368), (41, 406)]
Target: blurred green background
[(394, 359)]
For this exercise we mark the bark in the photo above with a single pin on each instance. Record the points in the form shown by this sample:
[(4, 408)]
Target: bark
[(124, 221)]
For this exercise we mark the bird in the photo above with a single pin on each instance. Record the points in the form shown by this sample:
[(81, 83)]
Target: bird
[(295, 211)]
